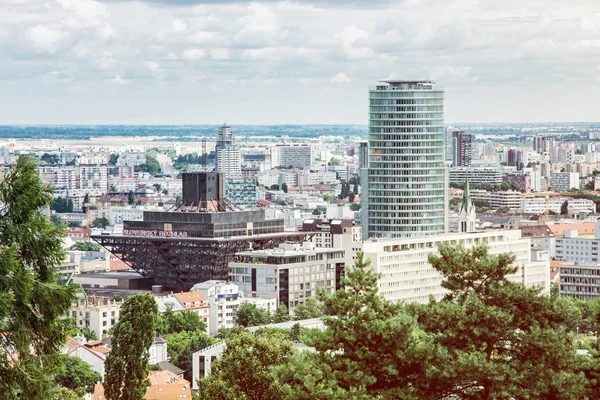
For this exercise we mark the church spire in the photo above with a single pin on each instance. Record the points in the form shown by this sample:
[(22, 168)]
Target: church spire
[(466, 217), (466, 204)]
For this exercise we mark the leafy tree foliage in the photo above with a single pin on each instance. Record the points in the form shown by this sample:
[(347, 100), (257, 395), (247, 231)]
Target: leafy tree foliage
[(564, 208), (50, 158), (248, 314), (311, 308), (131, 197), (126, 365), (57, 221), (86, 246), (113, 159), (372, 348), (181, 347), (182, 321), (62, 393), (89, 334), (62, 205), (76, 375), (500, 339), (74, 224), (152, 165), (101, 222), (281, 314), (355, 206), (503, 210), (243, 372), (351, 197), (33, 306), (284, 187)]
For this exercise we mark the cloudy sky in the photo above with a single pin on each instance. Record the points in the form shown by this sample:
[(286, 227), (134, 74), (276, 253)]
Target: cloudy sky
[(311, 61)]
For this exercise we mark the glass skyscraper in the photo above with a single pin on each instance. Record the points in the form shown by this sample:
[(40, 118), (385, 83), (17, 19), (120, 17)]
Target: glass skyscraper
[(406, 180)]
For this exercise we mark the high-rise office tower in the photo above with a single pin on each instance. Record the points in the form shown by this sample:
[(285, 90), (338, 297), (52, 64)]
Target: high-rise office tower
[(407, 181), (461, 149), (229, 161)]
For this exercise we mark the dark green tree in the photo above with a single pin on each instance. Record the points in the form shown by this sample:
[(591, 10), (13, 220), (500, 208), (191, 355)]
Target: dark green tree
[(89, 334), (127, 364), (500, 338), (355, 189), (564, 208), (249, 315), (351, 197), (77, 375), (284, 187), (33, 305), (311, 308), (181, 346), (57, 221), (355, 206), (86, 198), (131, 197), (182, 321), (101, 222), (113, 159), (230, 376), (281, 314), (316, 212), (371, 348)]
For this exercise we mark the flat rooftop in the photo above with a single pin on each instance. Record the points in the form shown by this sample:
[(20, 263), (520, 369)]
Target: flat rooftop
[(397, 81)]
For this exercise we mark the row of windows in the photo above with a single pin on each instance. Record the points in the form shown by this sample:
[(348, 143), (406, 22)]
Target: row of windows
[(379, 108), (438, 96), (408, 115), (407, 122), (430, 129)]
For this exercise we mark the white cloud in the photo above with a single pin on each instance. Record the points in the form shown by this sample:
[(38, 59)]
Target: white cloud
[(179, 25), (260, 18), (351, 34), (84, 8), (44, 38), (259, 54), (172, 57), (219, 54), (155, 69), (198, 78), (118, 80), (193, 54), (201, 37), (341, 78)]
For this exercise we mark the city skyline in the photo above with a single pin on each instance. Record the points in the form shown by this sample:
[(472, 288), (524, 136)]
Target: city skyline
[(200, 62)]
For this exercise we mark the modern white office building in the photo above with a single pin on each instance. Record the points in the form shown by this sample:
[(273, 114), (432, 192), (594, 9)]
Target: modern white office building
[(564, 181), (406, 192), (538, 205), (571, 247), (507, 198), (224, 299), (407, 275), (290, 273), (294, 155), (477, 175), (229, 161)]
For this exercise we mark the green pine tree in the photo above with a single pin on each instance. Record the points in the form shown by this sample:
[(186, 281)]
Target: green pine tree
[(33, 306), (127, 363)]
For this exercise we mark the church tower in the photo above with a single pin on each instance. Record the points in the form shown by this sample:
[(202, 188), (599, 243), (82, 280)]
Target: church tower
[(466, 215)]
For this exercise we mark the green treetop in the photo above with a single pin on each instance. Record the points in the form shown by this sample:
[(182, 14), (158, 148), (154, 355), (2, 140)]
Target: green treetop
[(32, 305), (127, 363)]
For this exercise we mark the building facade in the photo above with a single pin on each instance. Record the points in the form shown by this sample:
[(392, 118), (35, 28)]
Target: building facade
[(294, 155), (407, 185), (578, 280), (229, 161), (96, 313), (407, 275), (461, 149), (290, 273)]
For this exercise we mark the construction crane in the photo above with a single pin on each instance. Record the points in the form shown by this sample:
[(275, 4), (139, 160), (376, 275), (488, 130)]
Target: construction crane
[(73, 277)]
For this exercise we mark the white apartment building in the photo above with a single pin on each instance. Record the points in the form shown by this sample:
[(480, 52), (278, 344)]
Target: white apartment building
[(195, 302), (295, 155), (508, 198), (572, 247), (407, 275), (61, 177), (94, 176), (564, 181), (224, 299), (538, 205), (131, 158), (475, 175), (96, 313), (290, 273)]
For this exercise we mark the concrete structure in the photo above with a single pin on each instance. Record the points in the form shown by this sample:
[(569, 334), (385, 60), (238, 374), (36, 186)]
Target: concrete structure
[(564, 181), (241, 192), (461, 149), (475, 175), (571, 246), (131, 159), (224, 299), (96, 313), (579, 280), (543, 144), (290, 273), (408, 276), (229, 161), (538, 205), (294, 155), (509, 198), (406, 190)]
